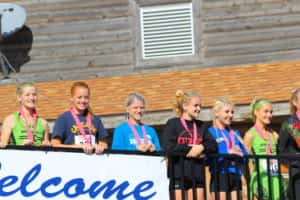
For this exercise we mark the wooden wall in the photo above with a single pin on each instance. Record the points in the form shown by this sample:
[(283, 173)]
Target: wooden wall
[(75, 39)]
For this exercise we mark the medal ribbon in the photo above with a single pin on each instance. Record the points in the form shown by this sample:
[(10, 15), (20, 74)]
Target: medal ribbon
[(298, 114), (28, 130), (80, 127), (229, 141), (262, 135), (193, 134), (136, 135)]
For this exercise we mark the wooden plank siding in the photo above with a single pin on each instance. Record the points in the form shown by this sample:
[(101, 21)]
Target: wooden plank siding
[(249, 31), (98, 37)]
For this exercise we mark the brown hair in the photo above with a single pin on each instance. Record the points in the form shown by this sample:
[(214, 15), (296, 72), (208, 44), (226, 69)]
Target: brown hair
[(293, 98), (183, 97), (81, 84)]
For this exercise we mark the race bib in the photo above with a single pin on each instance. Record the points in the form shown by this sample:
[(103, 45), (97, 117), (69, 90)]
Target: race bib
[(273, 165), (79, 139), (219, 140)]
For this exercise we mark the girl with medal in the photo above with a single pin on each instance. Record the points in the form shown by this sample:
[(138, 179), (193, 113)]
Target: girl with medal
[(25, 127), (186, 140), (289, 143), (261, 140), (79, 127), (132, 134), (228, 175)]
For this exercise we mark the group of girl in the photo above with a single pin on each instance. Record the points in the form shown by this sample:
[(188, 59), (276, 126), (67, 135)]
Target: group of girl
[(185, 139)]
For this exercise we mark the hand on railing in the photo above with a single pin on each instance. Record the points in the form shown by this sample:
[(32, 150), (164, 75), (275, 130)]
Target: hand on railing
[(27, 142), (196, 151), (100, 147), (236, 151), (46, 143), (87, 148), (146, 147)]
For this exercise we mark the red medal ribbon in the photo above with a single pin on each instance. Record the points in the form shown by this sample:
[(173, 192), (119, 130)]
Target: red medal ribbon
[(261, 134), (229, 142), (298, 114), (80, 127), (193, 134), (28, 130), (136, 135)]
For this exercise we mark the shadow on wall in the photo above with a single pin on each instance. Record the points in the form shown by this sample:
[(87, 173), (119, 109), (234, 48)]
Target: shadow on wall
[(16, 48)]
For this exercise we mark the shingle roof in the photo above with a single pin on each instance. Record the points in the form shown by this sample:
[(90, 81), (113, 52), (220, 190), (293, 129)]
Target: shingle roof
[(239, 83)]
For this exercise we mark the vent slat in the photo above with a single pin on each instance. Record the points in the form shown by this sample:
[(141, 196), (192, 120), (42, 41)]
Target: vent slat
[(154, 18), (169, 35), (169, 46), (167, 42), (157, 32), (166, 54), (167, 31), (164, 11), (167, 20), (167, 24), (174, 27)]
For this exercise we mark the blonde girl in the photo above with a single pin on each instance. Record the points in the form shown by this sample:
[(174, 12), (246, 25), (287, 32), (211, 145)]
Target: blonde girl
[(25, 126), (227, 172), (187, 136), (262, 140)]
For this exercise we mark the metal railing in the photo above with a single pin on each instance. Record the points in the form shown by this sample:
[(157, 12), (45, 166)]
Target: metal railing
[(257, 177)]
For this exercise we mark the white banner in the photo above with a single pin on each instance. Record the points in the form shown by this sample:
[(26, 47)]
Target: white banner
[(38, 175)]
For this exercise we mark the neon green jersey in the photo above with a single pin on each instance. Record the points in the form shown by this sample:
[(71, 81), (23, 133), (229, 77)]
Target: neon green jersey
[(19, 133), (259, 147)]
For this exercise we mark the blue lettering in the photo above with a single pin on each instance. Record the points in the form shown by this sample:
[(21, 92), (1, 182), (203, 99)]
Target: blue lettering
[(79, 187), (5, 182), (142, 187), (52, 181), (74, 187), (28, 178), (110, 190)]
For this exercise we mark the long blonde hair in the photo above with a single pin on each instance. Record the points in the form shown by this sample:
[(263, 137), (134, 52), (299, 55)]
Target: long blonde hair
[(182, 97), (257, 104), (219, 104), (21, 87)]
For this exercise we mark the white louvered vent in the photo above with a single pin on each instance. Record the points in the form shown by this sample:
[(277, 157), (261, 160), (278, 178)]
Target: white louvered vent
[(167, 31)]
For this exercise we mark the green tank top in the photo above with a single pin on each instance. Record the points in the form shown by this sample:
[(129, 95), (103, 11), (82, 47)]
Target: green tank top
[(259, 148), (19, 133), (259, 144)]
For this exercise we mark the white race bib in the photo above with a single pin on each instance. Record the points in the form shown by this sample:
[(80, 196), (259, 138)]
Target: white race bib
[(273, 164), (79, 139)]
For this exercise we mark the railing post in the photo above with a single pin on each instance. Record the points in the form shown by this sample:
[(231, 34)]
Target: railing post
[(182, 177), (259, 185)]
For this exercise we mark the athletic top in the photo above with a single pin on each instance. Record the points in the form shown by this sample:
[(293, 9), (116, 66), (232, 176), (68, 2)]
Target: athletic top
[(123, 138), (19, 133)]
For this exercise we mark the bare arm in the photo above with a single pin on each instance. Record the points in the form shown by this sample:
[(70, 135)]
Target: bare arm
[(46, 141), (56, 142), (7, 127), (248, 138)]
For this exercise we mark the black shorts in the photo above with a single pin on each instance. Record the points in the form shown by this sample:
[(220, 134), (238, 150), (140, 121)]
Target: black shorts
[(227, 182), (187, 184)]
